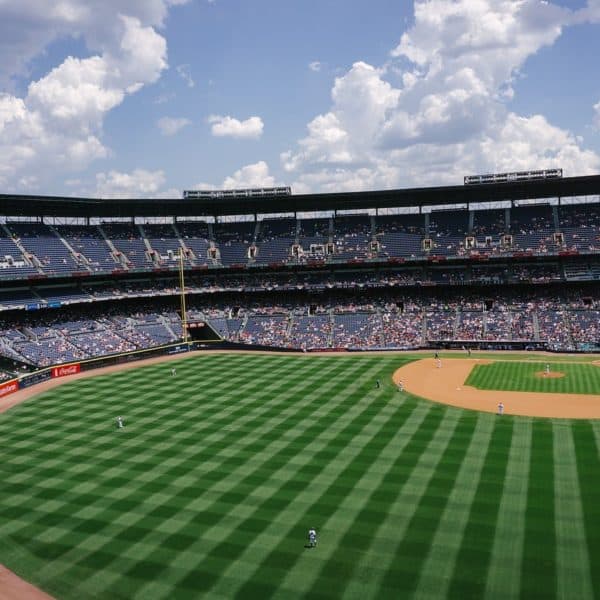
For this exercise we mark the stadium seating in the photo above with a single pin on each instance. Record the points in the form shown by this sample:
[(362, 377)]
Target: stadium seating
[(373, 320), (165, 244), (30, 248), (45, 244), (13, 263), (233, 241), (386, 278), (194, 235), (88, 242)]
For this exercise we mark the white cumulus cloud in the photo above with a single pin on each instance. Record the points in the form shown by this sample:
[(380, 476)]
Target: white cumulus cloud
[(448, 115), (226, 126), (28, 26), (172, 125), (57, 123), (255, 175), (138, 183), (251, 176)]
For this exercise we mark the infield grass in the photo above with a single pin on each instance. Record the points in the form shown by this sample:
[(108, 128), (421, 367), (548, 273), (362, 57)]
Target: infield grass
[(220, 471), (579, 378)]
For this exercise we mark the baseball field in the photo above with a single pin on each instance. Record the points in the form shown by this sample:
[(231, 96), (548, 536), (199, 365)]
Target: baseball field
[(210, 488)]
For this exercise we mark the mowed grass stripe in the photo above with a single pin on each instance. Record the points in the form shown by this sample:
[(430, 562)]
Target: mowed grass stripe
[(538, 568), (398, 497), (349, 531), (115, 400), (586, 439), (271, 507), (402, 574), (222, 469), (218, 425), (472, 562), (108, 440), (436, 573), (572, 560), (580, 378), (190, 535), (300, 430), (215, 417), (504, 573), (334, 530), (358, 517)]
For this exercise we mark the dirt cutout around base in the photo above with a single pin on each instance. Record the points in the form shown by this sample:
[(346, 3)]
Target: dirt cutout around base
[(446, 385), (550, 375)]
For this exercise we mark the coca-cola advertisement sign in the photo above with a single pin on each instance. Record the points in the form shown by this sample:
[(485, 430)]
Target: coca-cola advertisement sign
[(66, 370), (8, 388)]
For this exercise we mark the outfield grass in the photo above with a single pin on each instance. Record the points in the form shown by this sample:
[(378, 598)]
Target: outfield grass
[(521, 377), (210, 489)]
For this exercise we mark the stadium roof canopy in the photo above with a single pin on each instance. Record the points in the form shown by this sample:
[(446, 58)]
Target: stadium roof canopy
[(53, 206)]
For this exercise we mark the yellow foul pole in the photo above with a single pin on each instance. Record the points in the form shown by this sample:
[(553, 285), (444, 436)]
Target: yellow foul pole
[(182, 288)]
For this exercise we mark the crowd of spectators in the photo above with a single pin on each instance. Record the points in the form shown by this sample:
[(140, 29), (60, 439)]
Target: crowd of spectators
[(54, 337), (388, 318), (6, 375)]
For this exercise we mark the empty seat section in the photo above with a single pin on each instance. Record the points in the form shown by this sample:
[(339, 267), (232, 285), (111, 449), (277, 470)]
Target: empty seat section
[(126, 238), (88, 241), (234, 240), (195, 237), (12, 262), (164, 242)]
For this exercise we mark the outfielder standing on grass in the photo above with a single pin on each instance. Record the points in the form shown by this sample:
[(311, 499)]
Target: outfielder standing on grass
[(120, 423), (312, 537)]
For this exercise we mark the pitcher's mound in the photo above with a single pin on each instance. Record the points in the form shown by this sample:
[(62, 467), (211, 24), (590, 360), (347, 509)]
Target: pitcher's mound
[(551, 375)]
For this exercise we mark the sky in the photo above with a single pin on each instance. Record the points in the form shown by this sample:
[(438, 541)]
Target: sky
[(146, 98)]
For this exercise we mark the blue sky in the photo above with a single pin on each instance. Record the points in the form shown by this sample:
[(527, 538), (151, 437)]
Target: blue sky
[(149, 97)]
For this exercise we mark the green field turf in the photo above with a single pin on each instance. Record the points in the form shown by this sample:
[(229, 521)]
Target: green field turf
[(211, 487), (521, 377)]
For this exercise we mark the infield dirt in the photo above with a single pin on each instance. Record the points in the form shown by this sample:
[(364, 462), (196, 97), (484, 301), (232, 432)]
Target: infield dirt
[(446, 385)]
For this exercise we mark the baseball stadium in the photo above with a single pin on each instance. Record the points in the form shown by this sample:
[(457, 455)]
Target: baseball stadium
[(189, 386)]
